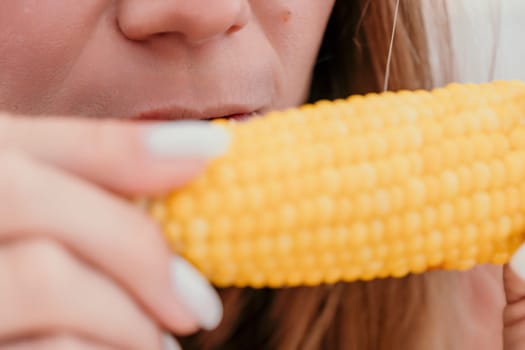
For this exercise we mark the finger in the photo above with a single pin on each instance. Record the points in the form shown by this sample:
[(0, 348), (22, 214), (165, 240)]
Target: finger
[(128, 158), (514, 312), (110, 234), (61, 342), (68, 342), (45, 290)]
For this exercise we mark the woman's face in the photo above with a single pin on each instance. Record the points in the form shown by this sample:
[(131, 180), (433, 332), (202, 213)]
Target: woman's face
[(157, 58)]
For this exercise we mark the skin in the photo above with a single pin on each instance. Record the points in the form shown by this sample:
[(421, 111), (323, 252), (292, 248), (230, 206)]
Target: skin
[(114, 60), (123, 59)]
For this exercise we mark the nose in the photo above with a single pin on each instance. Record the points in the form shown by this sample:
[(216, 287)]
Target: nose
[(196, 21)]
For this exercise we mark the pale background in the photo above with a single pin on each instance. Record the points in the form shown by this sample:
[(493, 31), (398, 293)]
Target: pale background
[(487, 30)]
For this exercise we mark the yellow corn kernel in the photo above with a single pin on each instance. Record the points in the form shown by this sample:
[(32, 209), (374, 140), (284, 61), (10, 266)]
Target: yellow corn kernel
[(362, 188)]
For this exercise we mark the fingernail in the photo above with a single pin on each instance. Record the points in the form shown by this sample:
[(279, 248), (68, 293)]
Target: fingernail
[(196, 293), (517, 262), (186, 139), (170, 343)]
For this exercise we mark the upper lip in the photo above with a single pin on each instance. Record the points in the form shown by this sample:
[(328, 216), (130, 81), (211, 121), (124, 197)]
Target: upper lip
[(181, 113)]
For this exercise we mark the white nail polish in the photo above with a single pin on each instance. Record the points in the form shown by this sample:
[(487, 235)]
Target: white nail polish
[(517, 262), (196, 293), (186, 139), (170, 343)]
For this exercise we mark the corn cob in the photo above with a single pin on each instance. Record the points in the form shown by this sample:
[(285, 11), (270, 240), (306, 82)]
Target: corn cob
[(368, 187)]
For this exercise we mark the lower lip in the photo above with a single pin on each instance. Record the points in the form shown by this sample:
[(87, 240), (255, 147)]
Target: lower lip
[(241, 117)]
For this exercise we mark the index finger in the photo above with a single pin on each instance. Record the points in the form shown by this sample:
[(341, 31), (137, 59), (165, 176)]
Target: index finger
[(128, 158)]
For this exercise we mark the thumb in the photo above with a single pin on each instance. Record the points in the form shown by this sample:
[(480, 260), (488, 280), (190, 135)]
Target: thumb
[(514, 312), (124, 157)]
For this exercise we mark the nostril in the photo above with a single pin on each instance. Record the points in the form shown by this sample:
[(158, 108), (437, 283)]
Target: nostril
[(234, 29)]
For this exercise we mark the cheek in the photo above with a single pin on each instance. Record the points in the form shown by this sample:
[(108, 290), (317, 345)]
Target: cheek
[(39, 40), (295, 29)]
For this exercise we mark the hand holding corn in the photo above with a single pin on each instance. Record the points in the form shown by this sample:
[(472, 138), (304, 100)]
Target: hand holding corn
[(69, 241), (368, 187)]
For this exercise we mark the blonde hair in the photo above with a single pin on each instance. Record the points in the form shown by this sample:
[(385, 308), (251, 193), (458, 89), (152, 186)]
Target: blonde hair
[(390, 314)]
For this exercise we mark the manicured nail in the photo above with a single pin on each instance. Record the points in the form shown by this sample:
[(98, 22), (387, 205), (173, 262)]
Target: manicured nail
[(187, 139), (196, 293), (517, 262), (170, 343)]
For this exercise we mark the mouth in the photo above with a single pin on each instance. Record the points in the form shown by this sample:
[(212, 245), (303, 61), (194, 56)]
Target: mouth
[(174, 114)]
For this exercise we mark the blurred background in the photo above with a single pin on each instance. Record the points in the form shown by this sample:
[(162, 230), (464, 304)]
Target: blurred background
[(488, 39)]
